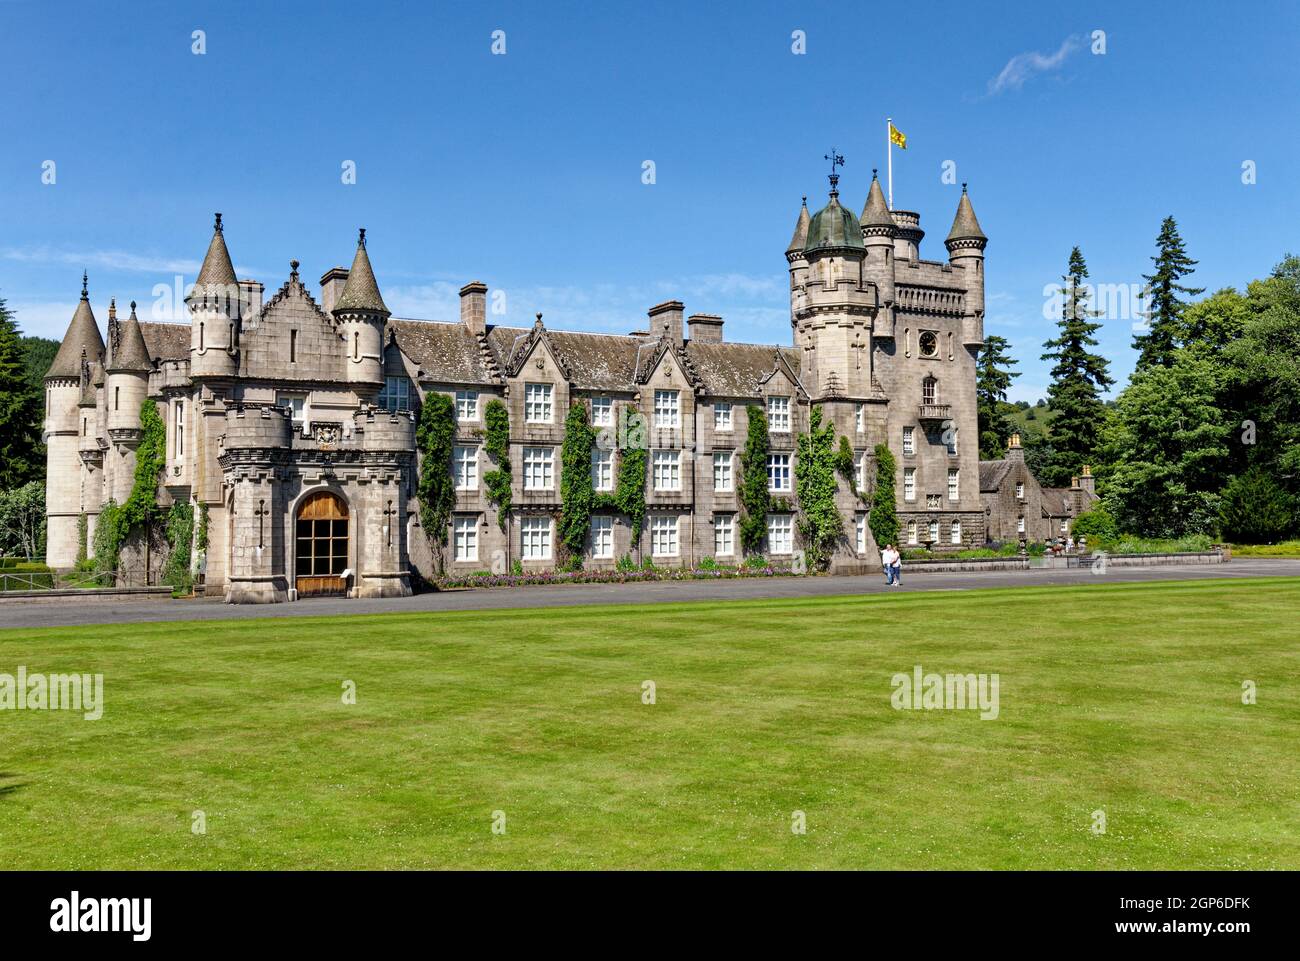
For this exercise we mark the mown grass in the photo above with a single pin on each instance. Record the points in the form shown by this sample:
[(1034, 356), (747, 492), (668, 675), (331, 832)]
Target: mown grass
[(1124, 698), (1283, 549)]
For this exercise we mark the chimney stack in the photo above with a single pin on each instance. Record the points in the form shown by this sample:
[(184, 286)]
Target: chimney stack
[(667, 317), (705, 328), (1087, 481), (331, 288), (473, 306), (250, 292), (1014, 451)]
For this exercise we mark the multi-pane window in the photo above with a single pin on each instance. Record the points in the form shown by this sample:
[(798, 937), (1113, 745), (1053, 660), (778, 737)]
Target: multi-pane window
[(722, 480), (466, 405), (911, 532), (909, 483), (955, 533), (934, 532), (724, 535), (909, 440), (539, 468), (862, 470), (1020, 525), (465, 538), (601, 538), (722, 416), (602, 469), (179, 452), (860, 533), (663, 536), (296, 403), (667, 408), (778, 472), (778, 414), (667, 470), (535, 538), (464, 467), (602, 412), (953, 484), (780, 533), (537, 403), (1020, 491), (395, 394), (929, 390), (860, 417)]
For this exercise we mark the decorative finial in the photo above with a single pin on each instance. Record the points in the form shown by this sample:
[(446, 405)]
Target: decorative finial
[(963, 186), (85, 293), (133, 308), (293, 270), (538, 322), (217, 226), (361, 241), (805, 200), (836, 161), (874, 174)]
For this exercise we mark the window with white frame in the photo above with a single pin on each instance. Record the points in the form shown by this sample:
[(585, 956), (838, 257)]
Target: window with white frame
[(666, 470), (539, 468), (909, 483), (954, 484), (778, 472), (780, 533), (602, 469), (862, 463), (1020, 491), (537, 403), (535, 538), (663, 535), (464, 467), (722, 464), (297, 403), (465, 538), (860, 417), (1020, 525), (860, 533), (395, 394), (909, 440), (724, 535), (668, 408), (955, 532), (722, 416), (911, 532), (934, 532), (602, 411), (466, 405), (179, 452), (778, 414), (601, 539)]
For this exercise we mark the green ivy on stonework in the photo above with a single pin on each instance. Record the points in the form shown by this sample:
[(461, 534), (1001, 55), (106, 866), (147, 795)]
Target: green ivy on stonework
[(629, 490), (433, 437), (116, 523), (883, 519), (844, 464), (201, 538), (820, 523), (577, 497), (83, 525), (496, 419), (180, 538), (754, 496)]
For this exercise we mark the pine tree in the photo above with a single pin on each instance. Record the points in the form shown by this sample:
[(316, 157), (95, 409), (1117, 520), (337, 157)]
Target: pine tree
[(20, 410), (1165, 309), (994, 376), (1078, 377)]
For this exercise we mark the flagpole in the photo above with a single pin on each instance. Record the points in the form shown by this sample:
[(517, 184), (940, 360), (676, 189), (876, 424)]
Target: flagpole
[(889, 149)]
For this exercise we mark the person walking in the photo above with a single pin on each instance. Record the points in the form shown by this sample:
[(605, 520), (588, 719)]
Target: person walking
[(887, 562), (898, 568)]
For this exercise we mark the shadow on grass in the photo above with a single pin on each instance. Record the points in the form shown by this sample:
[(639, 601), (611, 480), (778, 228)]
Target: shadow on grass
[(9, 788)]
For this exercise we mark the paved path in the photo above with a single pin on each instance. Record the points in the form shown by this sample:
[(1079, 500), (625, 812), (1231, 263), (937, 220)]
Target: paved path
[(49, 613)]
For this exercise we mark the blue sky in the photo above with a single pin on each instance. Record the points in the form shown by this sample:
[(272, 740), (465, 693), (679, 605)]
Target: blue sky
[(524, 170)]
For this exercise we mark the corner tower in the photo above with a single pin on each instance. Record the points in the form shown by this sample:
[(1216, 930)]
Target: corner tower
[(126, 389), (362, 315), (878, 234), (966, 243), (216, 312)]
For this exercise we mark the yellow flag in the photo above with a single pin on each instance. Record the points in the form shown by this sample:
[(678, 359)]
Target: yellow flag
[(897, 137)]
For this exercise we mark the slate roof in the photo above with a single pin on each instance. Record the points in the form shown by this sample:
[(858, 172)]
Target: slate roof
[(83, 334), (130, 354), (361, 292), (1056, 500), (447, 353), (734, 370), (876, 212), (166, 341), (800, 229), (964, 225), (217, 270), (992, 473)]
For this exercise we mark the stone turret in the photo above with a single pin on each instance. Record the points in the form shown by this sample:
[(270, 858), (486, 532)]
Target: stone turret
[(82, 347), (126, 389), (217, 312), (878, 233), (966, 243), (798, 262), (362, 315)]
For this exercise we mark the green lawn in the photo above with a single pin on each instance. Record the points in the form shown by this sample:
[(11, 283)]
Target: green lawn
[(1120, 697)]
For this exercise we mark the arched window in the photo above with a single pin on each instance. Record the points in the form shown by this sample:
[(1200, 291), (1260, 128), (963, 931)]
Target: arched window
[(929, 391)]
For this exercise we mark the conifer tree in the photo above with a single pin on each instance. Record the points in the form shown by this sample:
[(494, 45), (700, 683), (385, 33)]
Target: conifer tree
[(1165, 308), (993, 378), (20, 411), (1078, 378)]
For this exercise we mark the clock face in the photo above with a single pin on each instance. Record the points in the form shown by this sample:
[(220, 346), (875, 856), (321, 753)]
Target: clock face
[(929, 343)]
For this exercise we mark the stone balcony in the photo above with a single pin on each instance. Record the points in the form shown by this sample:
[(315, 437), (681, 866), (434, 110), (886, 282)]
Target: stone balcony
[(935, 413)]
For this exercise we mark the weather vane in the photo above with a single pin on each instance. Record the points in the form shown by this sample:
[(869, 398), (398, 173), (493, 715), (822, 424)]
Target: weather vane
[(836, 161)]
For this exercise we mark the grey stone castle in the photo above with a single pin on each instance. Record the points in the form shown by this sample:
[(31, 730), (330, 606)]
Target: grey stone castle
[(291, 421)]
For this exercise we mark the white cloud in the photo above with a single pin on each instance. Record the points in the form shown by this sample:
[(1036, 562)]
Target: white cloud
[(118, 260), (1024, 66)]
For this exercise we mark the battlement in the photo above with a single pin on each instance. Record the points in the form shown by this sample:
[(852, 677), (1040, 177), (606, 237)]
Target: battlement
[(258, 426)]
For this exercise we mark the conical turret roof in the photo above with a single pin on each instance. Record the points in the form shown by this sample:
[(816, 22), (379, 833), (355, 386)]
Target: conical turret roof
[(800, 229), (361, 292), (876, 212), (964, 225), (131, 355), (217, 270), (82, 337)]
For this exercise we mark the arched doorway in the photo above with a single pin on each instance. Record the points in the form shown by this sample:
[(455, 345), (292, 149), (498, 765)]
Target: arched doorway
[(322, 536)]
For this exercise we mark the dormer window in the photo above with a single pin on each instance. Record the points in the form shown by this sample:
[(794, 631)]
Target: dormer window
[(537, 403)]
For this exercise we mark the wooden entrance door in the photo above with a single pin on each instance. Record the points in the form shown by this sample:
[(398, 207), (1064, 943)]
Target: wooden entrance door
[(322, 545)]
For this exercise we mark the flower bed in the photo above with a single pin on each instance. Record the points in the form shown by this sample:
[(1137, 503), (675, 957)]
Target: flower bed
[(611, 576)]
